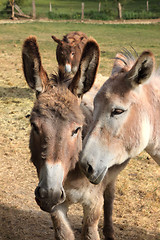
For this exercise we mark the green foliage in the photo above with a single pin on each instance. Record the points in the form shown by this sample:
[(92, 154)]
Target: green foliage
[(104, 15), (115, 2), (7, 2), (19, 2), (55, 15), (71, 9), (139, 15)]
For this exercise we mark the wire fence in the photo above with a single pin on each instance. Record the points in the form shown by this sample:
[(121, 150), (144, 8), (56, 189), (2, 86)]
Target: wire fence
[(102, 10)]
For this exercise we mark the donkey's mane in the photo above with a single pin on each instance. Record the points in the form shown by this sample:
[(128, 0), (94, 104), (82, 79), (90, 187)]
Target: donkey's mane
[(65, 39), (75, 37), (127, 57), (60, 79)]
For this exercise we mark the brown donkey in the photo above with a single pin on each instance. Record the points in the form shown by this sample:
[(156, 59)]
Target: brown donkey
[(57, 120), (126, 117), (69, 51)]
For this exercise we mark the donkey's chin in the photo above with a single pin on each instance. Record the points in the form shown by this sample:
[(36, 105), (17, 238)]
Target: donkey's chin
[(46, 206), (43, 206), (97, 179), (46, 209)]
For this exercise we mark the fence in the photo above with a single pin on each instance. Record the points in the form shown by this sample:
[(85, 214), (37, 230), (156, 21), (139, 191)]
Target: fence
[(64, 9)]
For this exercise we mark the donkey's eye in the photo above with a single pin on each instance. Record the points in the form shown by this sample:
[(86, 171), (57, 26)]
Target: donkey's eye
[(35, 127), (74, 132), (116, 111), (72, 53)]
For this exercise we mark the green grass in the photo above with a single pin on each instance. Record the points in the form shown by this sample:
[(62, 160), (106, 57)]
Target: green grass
[(111, 39), (59, 7), (71, 9)]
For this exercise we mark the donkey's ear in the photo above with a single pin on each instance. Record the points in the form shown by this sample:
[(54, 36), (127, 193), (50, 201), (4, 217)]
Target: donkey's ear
[(57, 40), (34, 73), (85, 76), (141, 70)]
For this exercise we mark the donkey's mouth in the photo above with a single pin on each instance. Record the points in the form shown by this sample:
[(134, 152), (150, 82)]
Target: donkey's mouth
[(44, 206), (97, 179)]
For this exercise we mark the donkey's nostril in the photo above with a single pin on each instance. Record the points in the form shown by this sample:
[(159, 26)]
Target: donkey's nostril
[(41, 192), (89, 169), (63, 196)]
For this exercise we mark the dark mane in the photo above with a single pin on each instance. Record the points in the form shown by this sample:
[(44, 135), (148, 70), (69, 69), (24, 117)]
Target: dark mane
[(59, 79), (75, 38), (65, 39), (127, 57)]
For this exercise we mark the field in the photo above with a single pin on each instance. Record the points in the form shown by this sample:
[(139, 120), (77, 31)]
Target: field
[(137, 201), (71, 9)]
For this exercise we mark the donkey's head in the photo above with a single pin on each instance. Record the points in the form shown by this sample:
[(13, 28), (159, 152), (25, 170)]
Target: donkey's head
[(56, 120), (121, 124), (69, 51)]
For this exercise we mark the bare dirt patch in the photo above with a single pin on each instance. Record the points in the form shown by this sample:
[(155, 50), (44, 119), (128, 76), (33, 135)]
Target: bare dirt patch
[(132, 21), (137, 201)]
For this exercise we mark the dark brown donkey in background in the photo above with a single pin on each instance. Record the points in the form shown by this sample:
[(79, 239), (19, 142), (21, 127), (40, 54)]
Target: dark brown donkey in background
[(69, 51), (57, 121)]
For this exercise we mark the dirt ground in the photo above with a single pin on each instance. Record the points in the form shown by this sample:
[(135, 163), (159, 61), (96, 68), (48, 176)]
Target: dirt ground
[(137, 200), (131, 21)]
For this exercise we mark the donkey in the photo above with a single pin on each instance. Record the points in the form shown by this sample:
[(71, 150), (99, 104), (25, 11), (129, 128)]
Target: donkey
[(69, 51), (125, 116), (59, 121)]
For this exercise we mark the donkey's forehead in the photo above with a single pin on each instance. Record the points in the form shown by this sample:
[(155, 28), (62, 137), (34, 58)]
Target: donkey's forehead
[(59, 102), (66, 47), (115, 90), (116, 84)]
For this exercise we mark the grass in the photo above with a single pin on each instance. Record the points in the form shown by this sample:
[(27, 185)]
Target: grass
[(71, 9), (136, 206), (111, 39), (60, 8)]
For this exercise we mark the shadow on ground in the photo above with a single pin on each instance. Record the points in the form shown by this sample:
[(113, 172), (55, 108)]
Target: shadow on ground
[(15, 92), (17, 224)]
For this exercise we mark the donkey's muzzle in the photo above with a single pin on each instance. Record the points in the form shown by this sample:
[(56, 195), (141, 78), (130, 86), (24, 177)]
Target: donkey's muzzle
[(68, 68), (94, 176), (48, 199)]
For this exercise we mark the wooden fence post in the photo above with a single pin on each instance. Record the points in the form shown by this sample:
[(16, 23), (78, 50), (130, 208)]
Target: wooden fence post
[(12, 11), (82, 16), (119, 10), (12, 7), (50, 7), (147, 6), (99, 8), (33, 9)]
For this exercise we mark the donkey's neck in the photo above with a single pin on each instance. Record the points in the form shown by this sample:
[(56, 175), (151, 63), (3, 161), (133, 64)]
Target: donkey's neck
[(153, 147)]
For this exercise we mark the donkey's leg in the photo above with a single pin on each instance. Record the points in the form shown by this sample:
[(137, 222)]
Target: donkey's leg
[(108, 208), (61, 224), (92, 212)]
